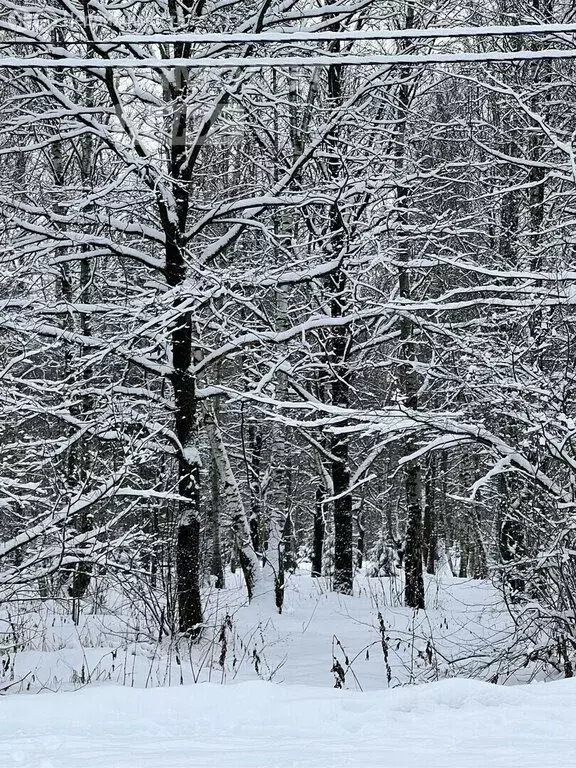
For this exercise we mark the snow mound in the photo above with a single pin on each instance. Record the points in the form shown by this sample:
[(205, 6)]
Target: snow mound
[(262, 725)]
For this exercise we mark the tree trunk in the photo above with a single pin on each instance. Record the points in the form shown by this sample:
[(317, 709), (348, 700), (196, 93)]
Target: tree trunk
[(216, 566), (512, 535), (409, 380), (233, 504), (361, 539), (429, 532), (339, 352), (414, 585), (185, 416), (255, 485), (319, 532), (75, 288), (277, 495), (174, 216)]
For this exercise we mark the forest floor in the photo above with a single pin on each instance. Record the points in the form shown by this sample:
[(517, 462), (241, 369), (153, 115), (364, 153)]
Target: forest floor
[(448, 724), (368, 645), (365, 642)]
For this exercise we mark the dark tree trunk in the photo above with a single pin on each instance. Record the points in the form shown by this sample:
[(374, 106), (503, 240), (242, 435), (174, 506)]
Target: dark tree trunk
[(290, 563), (343, 519), (216, 566), (188, 573), (254, 482), (429, 533), (339, 354), (174, 217), (318, 534), (511, 550), (414, 586), (78, 459), (413, 556), (464, 557), (409, 379), (512, 541), (361, 539), (188, 537)]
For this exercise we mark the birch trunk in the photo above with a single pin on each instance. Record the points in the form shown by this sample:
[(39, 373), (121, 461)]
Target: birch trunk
[(233, 505)]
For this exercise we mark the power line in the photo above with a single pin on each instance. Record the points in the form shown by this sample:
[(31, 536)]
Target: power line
[(284, 61), (382, 34), (306, 36)]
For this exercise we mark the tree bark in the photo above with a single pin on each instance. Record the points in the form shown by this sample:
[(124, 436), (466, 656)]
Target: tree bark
[(409, 380), (319, 531), (339, 353), (234, 505), (216, 565)]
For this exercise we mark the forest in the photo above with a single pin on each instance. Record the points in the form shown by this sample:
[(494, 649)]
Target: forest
[(286, 315)]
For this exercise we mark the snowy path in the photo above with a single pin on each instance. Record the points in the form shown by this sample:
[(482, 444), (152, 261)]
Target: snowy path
[(452, 724)]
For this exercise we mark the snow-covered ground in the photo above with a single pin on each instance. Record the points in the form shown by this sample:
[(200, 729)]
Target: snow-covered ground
[(371, 638), (138, 707), (451, 724)]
